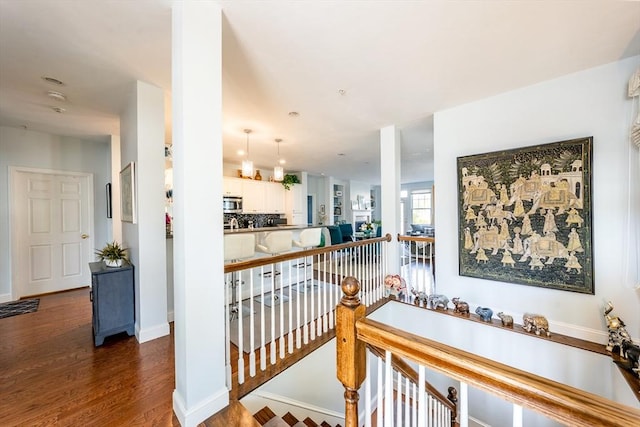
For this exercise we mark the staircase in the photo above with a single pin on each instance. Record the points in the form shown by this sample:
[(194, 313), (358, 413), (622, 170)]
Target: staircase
[(266, 417)]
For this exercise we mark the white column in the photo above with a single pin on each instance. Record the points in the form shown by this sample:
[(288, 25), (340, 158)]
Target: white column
[(517, 415), (201, 387), (142, 142), (152, 254), (390, 188)]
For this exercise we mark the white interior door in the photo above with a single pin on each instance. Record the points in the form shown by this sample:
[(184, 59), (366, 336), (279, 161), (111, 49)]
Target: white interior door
[(52, 227)]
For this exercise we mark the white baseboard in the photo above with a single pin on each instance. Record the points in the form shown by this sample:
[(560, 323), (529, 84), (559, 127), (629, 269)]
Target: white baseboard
[(148, 334), (202, 410), (5, 298), (281, 405)]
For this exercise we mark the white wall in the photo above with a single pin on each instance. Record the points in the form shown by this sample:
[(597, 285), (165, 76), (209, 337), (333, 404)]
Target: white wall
[(521, 351), (591, 102), (20, 147), (142, 141)]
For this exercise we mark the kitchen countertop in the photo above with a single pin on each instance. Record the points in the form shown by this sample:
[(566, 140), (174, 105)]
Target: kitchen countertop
[(273, 228)]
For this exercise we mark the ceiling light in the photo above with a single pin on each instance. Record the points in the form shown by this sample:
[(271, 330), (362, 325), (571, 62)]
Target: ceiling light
[(342, 92), (294, 113), (240, 152), (58, 109), (247, 165), (58, 96), (52, 80), (278, 171)]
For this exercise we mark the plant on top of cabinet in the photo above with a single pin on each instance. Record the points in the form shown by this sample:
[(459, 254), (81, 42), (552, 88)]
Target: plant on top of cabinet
[(113, 254), (289, 180)]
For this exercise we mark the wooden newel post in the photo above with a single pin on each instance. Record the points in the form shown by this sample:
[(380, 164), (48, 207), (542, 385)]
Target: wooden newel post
[(351, 354)]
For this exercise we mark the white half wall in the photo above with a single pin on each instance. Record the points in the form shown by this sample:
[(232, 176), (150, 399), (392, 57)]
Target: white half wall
[(588, 103)]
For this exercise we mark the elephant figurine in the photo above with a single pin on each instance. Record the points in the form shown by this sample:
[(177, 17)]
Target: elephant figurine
[(535, 323), (506, 319), (420, 296), (485, 313), (437, 301), (460, 306)]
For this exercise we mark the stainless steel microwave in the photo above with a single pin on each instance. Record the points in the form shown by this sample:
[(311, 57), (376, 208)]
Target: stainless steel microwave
[(232, 204)]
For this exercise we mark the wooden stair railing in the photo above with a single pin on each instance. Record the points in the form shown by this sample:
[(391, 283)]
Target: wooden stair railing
[(557, 401), (408, 372)]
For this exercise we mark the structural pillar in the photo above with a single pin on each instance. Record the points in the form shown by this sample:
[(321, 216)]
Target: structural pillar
[(201, 388), (390, 189)]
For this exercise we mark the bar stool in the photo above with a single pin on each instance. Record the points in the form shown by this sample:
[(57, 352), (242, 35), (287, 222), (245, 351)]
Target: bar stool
[(275, 243), (309, 238), (237, 247)]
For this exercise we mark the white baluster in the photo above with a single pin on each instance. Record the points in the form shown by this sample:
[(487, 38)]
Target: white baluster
[(517, 415), (291, 310), (272, 294), (388, 390), (399, 400), (252, 329), (464, 405), (367, 391), (263, 349), (422, 398)]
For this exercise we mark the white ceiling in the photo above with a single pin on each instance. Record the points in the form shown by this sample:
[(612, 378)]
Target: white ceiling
[(397, 62)]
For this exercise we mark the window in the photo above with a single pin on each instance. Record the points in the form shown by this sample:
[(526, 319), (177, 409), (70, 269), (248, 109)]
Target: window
[(421, 207)]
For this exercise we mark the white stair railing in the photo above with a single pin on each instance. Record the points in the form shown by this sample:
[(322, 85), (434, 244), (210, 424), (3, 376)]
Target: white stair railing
[(287, 301)]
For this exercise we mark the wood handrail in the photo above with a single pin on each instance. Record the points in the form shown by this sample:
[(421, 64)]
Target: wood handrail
[(555, 400), (402, 238), (403, 367), (259, 262)]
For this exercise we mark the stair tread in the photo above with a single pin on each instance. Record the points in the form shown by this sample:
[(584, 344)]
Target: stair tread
[(290, 419), (264, 415)]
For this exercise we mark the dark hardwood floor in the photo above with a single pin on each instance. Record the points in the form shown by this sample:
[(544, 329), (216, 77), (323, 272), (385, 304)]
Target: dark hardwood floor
[(51, 373)]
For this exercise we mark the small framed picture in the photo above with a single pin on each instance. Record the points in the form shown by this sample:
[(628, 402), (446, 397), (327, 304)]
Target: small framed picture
[(108, 190), (337, 211), (339, 193), (128, 193)]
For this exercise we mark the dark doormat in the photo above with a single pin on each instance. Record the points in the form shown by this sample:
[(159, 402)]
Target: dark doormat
[(14, 308)]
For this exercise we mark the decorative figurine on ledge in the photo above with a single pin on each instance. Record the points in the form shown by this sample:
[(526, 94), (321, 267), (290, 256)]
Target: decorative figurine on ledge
[(632, 354), (395, 285), (535, 323), (485, 313), (461, 307), (437, 301), (420, 296), (506, 319), (618, 335)]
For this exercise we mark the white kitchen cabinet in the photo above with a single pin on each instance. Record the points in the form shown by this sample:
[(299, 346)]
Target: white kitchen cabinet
[(275, 198), (253, 196), (231, 186), (296, 206)]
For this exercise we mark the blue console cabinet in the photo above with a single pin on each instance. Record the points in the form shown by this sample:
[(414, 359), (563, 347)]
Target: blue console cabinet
[(112, 298)]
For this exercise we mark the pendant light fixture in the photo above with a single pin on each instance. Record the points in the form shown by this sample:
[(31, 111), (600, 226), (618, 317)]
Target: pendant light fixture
[(247, 164), (278, 171)]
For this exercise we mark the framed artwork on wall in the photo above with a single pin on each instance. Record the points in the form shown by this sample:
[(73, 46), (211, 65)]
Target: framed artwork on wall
[(524, 216), (128, 193), (108, 191)]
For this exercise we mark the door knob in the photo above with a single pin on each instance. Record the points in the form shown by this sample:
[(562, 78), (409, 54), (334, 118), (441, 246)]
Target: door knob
[(84, 236)]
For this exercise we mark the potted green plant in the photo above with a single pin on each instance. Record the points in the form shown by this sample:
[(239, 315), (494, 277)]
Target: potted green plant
[(289, 180), (113, 254)]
